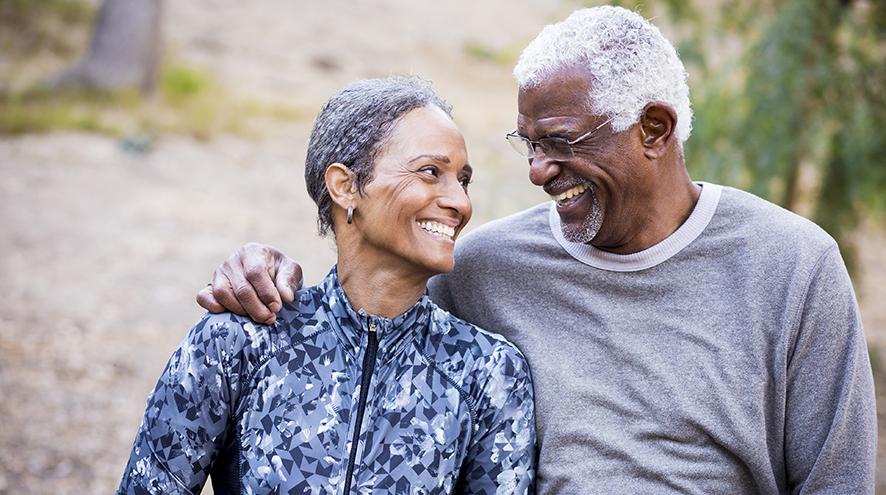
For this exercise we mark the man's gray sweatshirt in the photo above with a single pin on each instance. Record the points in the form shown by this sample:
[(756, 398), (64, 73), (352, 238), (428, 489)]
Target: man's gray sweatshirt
[(729, 358)]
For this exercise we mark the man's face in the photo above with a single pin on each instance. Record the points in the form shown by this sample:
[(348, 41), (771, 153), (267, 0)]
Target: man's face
[(594, 190)]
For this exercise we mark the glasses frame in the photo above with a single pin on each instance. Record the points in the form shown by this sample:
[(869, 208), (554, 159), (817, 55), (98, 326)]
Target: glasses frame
[(530, 148)]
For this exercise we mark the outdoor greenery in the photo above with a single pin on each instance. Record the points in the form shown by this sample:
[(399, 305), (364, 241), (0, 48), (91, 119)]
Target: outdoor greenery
[(30, 26), (790, 103), (187, 102), (789, 96)]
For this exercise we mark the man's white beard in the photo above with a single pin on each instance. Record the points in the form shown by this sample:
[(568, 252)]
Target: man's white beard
[(589, 227)]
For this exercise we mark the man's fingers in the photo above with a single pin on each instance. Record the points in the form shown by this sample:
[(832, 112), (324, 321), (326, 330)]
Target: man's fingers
[(246, 295), (207, 301), (259, 277), (223, 293), (288, 279)]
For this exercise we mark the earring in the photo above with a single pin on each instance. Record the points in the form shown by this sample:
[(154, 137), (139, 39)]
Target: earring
[(350, 214)]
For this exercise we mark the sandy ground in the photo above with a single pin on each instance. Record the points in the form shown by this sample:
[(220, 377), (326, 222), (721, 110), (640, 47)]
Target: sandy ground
[(103, 250)]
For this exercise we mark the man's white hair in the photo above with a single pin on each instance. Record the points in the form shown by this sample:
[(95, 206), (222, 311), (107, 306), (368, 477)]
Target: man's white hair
[(631, 62)]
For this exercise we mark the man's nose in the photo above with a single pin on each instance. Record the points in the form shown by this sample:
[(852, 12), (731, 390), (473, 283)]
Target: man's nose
[(542, 169)]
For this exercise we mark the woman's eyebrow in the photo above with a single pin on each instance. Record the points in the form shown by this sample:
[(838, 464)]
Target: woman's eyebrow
[(436, 158), (468, 168)]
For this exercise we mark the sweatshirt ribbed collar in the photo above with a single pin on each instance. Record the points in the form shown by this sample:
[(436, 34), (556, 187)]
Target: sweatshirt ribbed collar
[(353, 324), (690, 230)]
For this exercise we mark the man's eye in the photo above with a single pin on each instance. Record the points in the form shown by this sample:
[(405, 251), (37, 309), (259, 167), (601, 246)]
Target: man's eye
[(553, 143), (466, 181)]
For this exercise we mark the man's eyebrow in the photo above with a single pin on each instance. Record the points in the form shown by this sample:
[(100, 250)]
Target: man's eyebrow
[(436, 158), (468, 168)]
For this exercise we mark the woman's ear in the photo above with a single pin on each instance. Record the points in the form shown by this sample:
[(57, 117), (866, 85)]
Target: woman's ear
[(342, 185)]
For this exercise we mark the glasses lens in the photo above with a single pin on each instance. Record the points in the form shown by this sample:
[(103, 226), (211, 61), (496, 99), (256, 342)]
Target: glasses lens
[(521, 146), (556, 149)]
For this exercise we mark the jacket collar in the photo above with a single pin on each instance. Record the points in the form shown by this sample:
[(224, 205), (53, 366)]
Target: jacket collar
[(353, 325)]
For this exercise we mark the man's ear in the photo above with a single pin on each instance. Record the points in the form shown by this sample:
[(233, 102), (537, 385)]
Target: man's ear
[(342, 185), (657, 123)]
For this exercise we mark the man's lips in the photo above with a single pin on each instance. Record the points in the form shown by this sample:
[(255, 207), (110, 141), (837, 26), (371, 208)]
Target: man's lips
[(566, 196)]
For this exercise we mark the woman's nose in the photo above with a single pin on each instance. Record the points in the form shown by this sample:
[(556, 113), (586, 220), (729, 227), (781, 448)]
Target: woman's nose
[(455, 197)]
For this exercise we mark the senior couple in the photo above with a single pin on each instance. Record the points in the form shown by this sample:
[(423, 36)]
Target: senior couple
[(683, 337)]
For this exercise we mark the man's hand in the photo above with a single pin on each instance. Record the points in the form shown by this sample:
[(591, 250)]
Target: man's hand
[(254, 281)]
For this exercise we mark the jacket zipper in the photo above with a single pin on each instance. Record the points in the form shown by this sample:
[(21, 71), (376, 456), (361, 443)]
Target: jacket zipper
[(368, 369)]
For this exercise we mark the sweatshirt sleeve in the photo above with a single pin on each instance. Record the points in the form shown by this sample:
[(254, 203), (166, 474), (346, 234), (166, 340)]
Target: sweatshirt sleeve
[(501, 455), (186, 417), (830, 424), (438, 290)]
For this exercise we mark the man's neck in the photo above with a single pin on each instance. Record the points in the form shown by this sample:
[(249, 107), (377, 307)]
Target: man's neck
[(664, 213)]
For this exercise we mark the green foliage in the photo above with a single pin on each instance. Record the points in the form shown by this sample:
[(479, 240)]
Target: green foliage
[(188, 102), (27, 10), (44, 112), (182, 82), (28, 26), (803, 111)]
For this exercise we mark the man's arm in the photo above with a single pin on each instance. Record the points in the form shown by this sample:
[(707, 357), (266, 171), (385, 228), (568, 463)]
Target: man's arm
[(831, 423), (254, 282)]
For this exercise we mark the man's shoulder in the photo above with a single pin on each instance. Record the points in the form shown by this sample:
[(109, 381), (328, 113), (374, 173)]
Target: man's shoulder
[(768, 225), (529, 225)]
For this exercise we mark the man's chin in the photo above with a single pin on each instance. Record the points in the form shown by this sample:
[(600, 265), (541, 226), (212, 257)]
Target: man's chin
[(582, 234), (584, 229)]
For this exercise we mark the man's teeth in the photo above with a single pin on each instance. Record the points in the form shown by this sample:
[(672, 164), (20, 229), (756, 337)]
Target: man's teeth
[(575, 191), (438, 229)]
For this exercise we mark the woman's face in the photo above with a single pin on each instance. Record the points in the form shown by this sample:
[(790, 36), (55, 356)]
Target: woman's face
[(417, 202)]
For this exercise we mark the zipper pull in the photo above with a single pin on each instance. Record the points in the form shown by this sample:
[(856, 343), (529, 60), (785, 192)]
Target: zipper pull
[(372, 326)]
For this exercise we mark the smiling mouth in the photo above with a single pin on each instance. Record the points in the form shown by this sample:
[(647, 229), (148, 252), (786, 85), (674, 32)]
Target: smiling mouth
[(438, 229), (570, 195)]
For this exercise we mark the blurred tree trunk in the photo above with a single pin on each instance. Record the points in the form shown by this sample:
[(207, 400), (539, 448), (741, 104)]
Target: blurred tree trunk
[(124, 50)]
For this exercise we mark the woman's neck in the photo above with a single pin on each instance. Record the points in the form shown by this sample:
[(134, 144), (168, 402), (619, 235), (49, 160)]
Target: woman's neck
[(383, 287)]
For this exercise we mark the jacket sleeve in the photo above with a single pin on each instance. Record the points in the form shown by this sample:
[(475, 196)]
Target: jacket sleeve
[(186, 417), (501, 455), (830, 423)]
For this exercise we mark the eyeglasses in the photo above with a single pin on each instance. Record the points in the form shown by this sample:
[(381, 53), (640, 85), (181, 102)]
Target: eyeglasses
[(555, 148)]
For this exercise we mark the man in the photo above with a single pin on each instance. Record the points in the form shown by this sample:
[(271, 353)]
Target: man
[(683, 337)]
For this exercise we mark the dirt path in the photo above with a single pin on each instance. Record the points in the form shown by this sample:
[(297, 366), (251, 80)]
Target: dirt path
[(102, 250)]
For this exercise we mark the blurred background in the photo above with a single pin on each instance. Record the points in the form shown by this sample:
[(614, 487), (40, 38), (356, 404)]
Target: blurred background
[(142, 141)]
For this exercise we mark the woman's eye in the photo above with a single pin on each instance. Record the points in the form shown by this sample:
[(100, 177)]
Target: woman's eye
[(465, 182), (430, 170)]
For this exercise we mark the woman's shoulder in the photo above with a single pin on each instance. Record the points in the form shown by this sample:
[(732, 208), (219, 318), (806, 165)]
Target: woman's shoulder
[(239, 337), (471, 354)]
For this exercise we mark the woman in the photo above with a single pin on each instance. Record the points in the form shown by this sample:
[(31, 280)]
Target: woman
[(362, 385)]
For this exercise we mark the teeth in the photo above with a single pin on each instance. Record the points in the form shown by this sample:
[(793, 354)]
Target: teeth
[(575, 191), (438, 229)]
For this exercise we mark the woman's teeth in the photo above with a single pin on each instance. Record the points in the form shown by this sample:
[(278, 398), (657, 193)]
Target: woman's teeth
[(438, 229), (569, 193)]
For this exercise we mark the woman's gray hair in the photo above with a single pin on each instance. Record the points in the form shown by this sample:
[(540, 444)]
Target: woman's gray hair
[(352, 128), (631, 62)]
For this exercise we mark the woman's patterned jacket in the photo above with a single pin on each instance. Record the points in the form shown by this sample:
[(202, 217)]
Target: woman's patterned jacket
[(329, 400)]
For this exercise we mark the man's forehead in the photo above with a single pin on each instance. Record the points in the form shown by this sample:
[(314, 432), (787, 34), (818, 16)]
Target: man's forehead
[(552, 124)]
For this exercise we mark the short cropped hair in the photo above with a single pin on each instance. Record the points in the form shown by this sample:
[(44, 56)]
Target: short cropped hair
[(352, 128), (631, 62)]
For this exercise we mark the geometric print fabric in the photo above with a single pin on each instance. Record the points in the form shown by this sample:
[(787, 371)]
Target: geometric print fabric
[(272, 409)]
